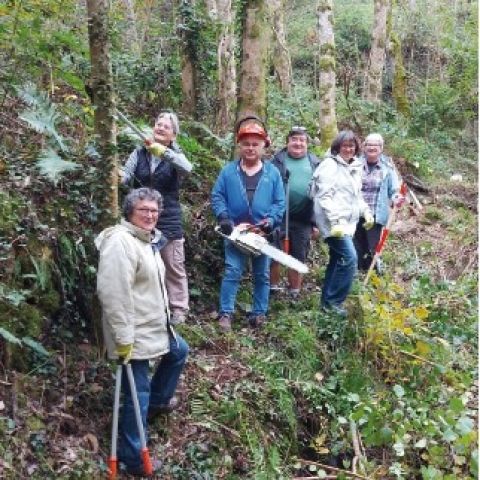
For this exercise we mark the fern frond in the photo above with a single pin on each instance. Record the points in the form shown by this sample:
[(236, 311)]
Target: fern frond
[(42, 114), (52, 166)]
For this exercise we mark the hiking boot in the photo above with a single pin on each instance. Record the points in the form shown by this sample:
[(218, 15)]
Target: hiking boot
[(225, 322), (335, 310), (256, 321), (156, 410), (178, 318), (294, 293)]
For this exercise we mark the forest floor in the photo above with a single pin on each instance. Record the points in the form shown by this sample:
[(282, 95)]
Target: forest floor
[(59, 413)]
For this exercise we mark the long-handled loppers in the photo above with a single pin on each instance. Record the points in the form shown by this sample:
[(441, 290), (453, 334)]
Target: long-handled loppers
[(113, 461), (286, 240), (384, 236)]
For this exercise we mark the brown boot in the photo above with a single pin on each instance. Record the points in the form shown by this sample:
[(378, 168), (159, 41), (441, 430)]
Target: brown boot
[(225, 322), (256, 321), (156, 410)]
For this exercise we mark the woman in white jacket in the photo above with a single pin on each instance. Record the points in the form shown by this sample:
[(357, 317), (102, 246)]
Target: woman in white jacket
[(136, 317), (338, 203)]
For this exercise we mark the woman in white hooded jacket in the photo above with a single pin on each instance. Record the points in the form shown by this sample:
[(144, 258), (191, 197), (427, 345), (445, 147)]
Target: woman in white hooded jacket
[(336, 191)]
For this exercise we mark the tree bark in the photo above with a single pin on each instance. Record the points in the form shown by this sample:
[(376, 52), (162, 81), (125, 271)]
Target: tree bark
[(189, 68), (131, 34), (281, 56), (399, 87), (103, 100), (227, 72), (326, 76), (376, 62), (252, 96)]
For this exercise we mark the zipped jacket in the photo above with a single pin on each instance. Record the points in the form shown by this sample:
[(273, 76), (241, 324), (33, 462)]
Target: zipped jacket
[(336, 191), (278, 160), (389, 187), (229, 196), (131, 290)]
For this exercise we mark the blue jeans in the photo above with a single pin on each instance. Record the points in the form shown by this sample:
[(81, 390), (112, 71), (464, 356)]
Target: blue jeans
[(157, 391), (340, 271), (235, 263)]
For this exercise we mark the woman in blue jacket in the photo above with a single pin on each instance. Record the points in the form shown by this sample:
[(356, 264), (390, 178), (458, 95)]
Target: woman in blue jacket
[(380, 189), (248, 191)]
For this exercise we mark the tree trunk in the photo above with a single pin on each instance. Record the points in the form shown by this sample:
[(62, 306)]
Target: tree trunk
[(131, 33), (281, 56), (189, 68), (326, 77), (399, 87), (104, 125), (227, 73), (252, 96), (376, 62)]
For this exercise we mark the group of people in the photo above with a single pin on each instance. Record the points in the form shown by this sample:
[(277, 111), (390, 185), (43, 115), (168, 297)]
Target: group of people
[(291, 198)]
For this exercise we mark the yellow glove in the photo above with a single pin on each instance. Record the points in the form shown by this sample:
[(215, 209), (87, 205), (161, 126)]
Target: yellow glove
[(124, 352), (369, 221), (338, 231), (156, 149)]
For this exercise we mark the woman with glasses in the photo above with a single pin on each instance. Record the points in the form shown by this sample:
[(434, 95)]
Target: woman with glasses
[(131, 290), (338, 203), (161, 166), (380, 188)]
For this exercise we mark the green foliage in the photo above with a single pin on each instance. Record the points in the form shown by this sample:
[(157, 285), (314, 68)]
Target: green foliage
[(53, 167), (42, 115)]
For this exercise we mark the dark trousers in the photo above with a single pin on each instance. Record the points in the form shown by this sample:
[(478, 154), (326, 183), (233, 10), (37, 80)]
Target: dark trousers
[(365, 242)]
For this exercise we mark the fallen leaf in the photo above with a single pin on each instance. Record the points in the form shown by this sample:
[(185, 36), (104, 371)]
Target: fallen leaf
[(92, 442)]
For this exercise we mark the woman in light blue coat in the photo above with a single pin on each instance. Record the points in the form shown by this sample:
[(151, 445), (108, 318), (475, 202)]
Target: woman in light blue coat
[(380, 189)]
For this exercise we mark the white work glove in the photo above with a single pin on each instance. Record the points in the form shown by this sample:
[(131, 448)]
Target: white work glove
[(338, 231), (156, 149), (369, 221)]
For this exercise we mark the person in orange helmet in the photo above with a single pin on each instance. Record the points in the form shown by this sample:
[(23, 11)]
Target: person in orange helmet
[(247, 191)]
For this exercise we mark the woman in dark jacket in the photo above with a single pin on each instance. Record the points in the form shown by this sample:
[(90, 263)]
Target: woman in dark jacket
[(161, 166)]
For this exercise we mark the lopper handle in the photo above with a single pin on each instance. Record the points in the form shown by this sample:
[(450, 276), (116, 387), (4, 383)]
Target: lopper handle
[(147, 461), (286, 245), (112, 464)]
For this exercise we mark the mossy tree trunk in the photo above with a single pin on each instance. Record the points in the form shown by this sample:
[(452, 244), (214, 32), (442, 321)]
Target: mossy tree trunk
[(376, 62), (281, 56), (227, 71), (326, 76), (105, 130), (252, 97), (189, 58), (399, 87)]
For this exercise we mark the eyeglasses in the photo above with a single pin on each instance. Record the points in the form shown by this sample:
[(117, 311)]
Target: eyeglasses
[(372, 145), (146, 211)]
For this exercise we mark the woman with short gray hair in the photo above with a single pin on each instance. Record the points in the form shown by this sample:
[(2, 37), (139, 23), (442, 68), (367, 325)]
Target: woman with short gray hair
[(380, 189), (135, 318), (161, 165)]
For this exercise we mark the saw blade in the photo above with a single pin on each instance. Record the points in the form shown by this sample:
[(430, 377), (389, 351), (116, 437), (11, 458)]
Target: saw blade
[(283, 258)]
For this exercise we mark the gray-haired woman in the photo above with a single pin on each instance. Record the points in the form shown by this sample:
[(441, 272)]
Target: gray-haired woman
[(161, 166), (380, 189), (131, 290)]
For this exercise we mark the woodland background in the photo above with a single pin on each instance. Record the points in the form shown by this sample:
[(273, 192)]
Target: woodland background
[(390, 395)]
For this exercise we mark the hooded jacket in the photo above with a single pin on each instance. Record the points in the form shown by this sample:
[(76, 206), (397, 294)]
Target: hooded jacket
[(336, 191), (131, 289)]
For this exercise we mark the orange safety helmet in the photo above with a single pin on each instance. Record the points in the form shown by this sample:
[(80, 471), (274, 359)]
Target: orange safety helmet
[(251, 129)]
